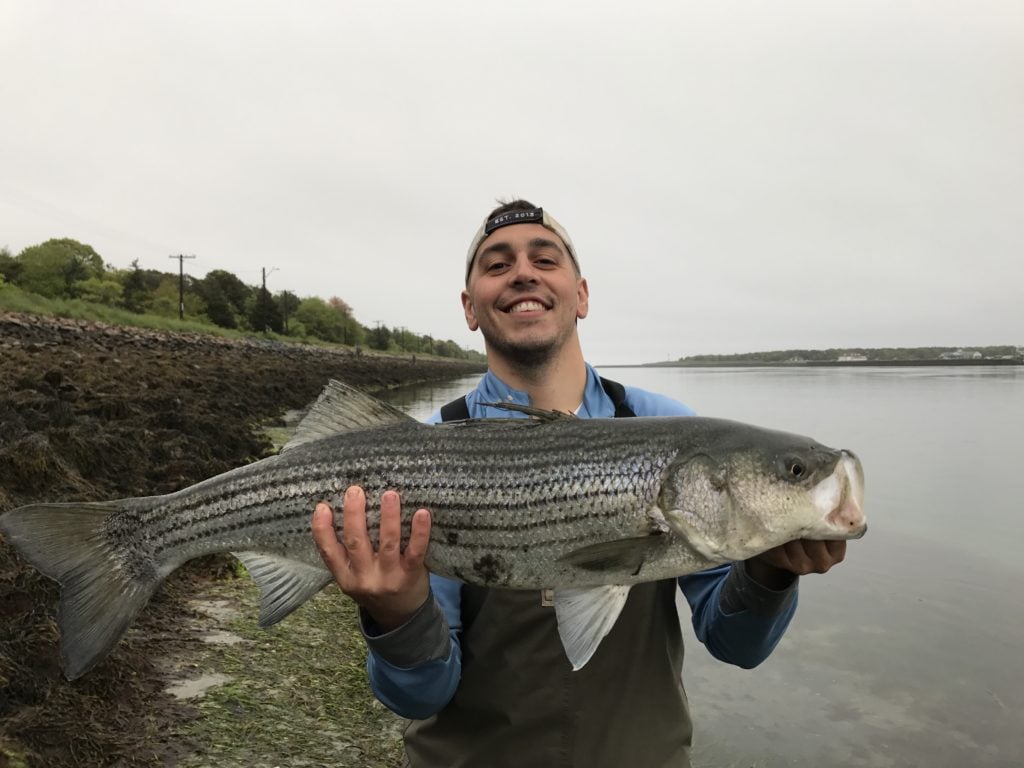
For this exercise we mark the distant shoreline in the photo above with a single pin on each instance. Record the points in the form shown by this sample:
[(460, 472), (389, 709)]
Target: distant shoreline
[(824, 364)]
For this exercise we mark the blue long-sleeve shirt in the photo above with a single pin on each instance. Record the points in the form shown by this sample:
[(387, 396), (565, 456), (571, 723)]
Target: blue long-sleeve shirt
[(414, 670)]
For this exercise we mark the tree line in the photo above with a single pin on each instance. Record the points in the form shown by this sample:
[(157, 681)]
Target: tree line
[(67, 269), (877, 354)]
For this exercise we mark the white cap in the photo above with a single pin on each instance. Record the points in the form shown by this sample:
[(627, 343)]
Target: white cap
[(534, 216)]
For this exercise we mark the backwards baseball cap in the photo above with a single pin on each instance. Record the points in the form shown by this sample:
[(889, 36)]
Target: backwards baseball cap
[(507, 219)]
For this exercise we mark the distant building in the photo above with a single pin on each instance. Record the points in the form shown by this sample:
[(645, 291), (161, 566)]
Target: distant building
[(960, 354), (852, 358)]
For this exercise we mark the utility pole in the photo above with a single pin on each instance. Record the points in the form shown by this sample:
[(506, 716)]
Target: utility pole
[(265, 294), (265, 273), (181, 282)]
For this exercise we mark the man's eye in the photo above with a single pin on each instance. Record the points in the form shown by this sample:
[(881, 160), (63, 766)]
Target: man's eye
[(496, 266)]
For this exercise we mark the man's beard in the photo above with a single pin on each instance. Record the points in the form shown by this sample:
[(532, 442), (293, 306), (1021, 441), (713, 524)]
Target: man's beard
[(524, 355)]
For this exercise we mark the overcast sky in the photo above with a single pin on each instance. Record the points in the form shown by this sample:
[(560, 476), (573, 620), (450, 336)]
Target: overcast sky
[(736, 176)]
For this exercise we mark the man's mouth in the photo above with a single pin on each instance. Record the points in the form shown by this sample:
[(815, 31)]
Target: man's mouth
[(525, 306)]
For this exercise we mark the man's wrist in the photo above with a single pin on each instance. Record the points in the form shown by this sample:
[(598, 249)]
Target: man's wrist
[(741, 592), (390, 617), (768, 576), (424, 637)]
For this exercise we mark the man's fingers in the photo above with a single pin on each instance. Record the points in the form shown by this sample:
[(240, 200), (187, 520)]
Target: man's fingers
[(825, 554), (796, 557), (353, 536), (806, 556), (836, 550), (390, 544), (333, 554), (416, 549)]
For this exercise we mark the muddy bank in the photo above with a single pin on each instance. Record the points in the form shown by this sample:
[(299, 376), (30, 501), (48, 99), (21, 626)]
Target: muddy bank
[(89, 411)]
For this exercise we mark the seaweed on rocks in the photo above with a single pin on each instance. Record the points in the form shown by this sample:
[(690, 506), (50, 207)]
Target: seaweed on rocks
[(89, 412)]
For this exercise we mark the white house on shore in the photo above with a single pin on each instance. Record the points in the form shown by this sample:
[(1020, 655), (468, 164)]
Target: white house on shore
[(960, 354)]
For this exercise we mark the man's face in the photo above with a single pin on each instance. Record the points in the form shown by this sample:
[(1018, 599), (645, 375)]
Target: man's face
[(524, 294)]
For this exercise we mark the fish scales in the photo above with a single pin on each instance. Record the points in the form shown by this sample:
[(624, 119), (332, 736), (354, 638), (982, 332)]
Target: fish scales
[(534, 496), (587, 507)]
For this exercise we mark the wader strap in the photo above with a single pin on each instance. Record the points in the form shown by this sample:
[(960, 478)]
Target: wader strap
[(457, 410), (617, 393)]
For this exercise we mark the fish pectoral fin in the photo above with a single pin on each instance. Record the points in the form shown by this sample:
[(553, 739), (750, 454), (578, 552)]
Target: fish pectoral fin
[(621, 554), (585, 616), (341, 408), (284, 584)]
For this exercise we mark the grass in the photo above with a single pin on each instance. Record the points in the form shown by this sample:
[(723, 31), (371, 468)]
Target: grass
[(14, 299), (298, 693), (12, 759)]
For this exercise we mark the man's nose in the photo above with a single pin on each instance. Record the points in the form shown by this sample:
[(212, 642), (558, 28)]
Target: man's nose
[(523, 271)]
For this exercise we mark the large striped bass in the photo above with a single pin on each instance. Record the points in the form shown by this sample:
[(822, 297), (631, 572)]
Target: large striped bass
[(587, 507)]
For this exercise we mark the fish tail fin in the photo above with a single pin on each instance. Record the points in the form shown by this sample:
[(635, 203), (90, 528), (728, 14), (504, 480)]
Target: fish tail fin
[(101, 591)]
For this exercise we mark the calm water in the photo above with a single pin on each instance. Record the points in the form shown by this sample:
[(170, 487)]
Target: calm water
[(911, 653)]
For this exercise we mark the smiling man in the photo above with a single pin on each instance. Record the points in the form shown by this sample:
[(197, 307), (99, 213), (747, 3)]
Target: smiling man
[(524, 292), (481, 672)]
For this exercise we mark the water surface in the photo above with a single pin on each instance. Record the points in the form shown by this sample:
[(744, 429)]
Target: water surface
[(910, 653)]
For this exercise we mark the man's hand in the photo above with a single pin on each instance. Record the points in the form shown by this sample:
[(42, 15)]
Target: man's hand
[(775, 568), (389, 583)]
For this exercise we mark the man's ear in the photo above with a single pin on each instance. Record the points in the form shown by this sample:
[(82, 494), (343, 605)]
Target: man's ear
[(467, 308), (582, 299)]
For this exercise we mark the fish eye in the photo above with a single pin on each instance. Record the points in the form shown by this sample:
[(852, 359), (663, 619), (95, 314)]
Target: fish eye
[(795, 469)]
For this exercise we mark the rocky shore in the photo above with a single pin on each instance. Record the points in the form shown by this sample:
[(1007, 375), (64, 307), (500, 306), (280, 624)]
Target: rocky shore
[(90, 411)]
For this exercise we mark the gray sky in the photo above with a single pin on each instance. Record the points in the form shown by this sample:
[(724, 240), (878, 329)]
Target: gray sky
[(736, 176)]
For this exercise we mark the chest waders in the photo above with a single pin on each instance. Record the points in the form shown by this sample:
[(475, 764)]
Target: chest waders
[(520, 704)]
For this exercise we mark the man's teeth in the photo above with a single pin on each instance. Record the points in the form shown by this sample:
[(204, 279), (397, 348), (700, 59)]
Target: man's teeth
[(526, 306)]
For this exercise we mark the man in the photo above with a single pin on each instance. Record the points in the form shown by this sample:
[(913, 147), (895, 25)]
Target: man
[(481, 672)]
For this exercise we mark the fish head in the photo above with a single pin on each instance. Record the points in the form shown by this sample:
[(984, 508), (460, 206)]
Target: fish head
[(745, 496)]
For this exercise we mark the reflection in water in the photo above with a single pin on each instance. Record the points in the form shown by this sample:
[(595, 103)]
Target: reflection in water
[(421, 400), (909, 653)]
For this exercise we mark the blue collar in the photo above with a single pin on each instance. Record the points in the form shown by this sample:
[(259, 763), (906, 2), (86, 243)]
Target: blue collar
[(491, 389)]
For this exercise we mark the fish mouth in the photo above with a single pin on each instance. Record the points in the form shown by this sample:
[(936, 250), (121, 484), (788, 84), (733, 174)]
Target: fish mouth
[(840, 498)]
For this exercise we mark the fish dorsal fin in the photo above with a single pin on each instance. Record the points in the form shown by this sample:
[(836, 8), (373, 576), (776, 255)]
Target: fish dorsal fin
[(538, 413), (619, 555), (284, 584), (341, 408), (585, 616)]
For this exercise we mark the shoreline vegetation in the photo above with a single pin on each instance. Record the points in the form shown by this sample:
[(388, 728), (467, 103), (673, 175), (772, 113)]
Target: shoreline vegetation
[(889, 357), (91, 411), (823, 364), (67, 278)]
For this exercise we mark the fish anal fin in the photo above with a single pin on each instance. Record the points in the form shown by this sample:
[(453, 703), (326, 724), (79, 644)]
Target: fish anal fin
[(284, 583), (341, 408), (585, 616)]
